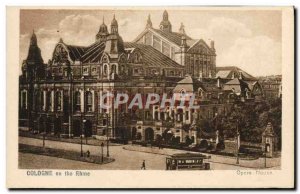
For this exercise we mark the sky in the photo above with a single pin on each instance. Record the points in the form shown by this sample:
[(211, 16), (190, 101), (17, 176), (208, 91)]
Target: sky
[(248, 39)]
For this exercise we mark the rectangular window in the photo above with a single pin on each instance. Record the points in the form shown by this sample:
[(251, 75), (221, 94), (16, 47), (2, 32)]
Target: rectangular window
[(148, 38), (166, 49), (172, 53), (186, 115), (85, 71), (156, 43)]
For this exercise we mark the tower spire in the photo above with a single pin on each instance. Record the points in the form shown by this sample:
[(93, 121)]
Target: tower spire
[(33, 39)]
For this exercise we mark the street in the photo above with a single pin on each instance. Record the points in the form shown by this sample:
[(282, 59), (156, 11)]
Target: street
[(124, 158)]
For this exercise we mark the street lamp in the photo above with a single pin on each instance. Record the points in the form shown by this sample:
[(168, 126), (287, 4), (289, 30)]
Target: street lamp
[(81, 137), (237, 142), (102, 145), (266, 150), (107, 144)]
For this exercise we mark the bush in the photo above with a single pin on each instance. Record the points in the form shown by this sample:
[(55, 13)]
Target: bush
[(203, 144), (220, 146)]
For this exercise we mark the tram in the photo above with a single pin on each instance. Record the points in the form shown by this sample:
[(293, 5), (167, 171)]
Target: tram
[(187, 161)]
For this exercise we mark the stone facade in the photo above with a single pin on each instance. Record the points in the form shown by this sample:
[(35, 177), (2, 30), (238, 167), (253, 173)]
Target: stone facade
[(57, 97)]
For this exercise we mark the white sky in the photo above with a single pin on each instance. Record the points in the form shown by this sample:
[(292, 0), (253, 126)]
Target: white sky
[(250, 40)]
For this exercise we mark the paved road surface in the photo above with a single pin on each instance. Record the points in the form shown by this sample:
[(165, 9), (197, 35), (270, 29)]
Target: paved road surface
[(124, 159)]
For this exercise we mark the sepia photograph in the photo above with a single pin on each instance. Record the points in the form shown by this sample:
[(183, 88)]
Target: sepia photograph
[(152, 90)]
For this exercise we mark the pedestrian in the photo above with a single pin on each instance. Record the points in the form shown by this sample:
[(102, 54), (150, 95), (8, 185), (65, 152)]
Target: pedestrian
[(143, 165), (88, 154)]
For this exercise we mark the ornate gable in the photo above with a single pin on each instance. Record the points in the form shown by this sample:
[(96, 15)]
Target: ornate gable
[(200, 47)]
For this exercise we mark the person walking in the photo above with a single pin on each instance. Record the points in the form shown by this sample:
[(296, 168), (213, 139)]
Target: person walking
[(143, 165)]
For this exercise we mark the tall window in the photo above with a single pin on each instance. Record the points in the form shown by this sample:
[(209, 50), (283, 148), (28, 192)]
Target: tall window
[(89, 101), (58, 100), (48, 101), (105, 70), (166, 49), (24, 100), (148, 38), (77, 103), (156, 43), (42, 99)]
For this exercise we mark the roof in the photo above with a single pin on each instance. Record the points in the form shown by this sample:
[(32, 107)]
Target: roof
[(151, 56), (189, 155), (189, 84), (227, 71), (236, 84), (75, 52), (172, 36), (94, 52)]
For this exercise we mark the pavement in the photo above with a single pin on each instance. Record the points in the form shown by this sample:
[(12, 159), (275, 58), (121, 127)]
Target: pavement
[(126, 158)]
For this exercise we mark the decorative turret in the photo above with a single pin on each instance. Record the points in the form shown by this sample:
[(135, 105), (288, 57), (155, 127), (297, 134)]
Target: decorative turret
[(114, 44), (149, 22), (114, 26), (165, 24), (181, 29), (103, 32)]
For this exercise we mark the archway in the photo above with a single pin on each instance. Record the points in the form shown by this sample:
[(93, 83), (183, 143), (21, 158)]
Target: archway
[(149, 134), (76, 128), (88, 128)]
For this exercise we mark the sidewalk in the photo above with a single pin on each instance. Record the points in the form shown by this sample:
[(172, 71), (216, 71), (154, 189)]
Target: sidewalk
[(256, 164)]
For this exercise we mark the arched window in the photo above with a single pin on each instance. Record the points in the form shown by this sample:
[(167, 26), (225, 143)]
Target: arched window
[(136, 58), (89, 101), (48, 101), (105, 70), (42, 99), (58, 100), (200, 93), (77, 101)]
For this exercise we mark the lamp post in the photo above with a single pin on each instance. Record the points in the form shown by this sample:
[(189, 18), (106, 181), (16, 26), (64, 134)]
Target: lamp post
[(266, 149), (83, 126), (102, 145), (107, 143), (81, 152), (237, 142)]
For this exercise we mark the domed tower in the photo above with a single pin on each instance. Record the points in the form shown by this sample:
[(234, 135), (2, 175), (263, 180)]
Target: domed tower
[(114, 26), (103, 32), (165, 24), (114, 43)]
